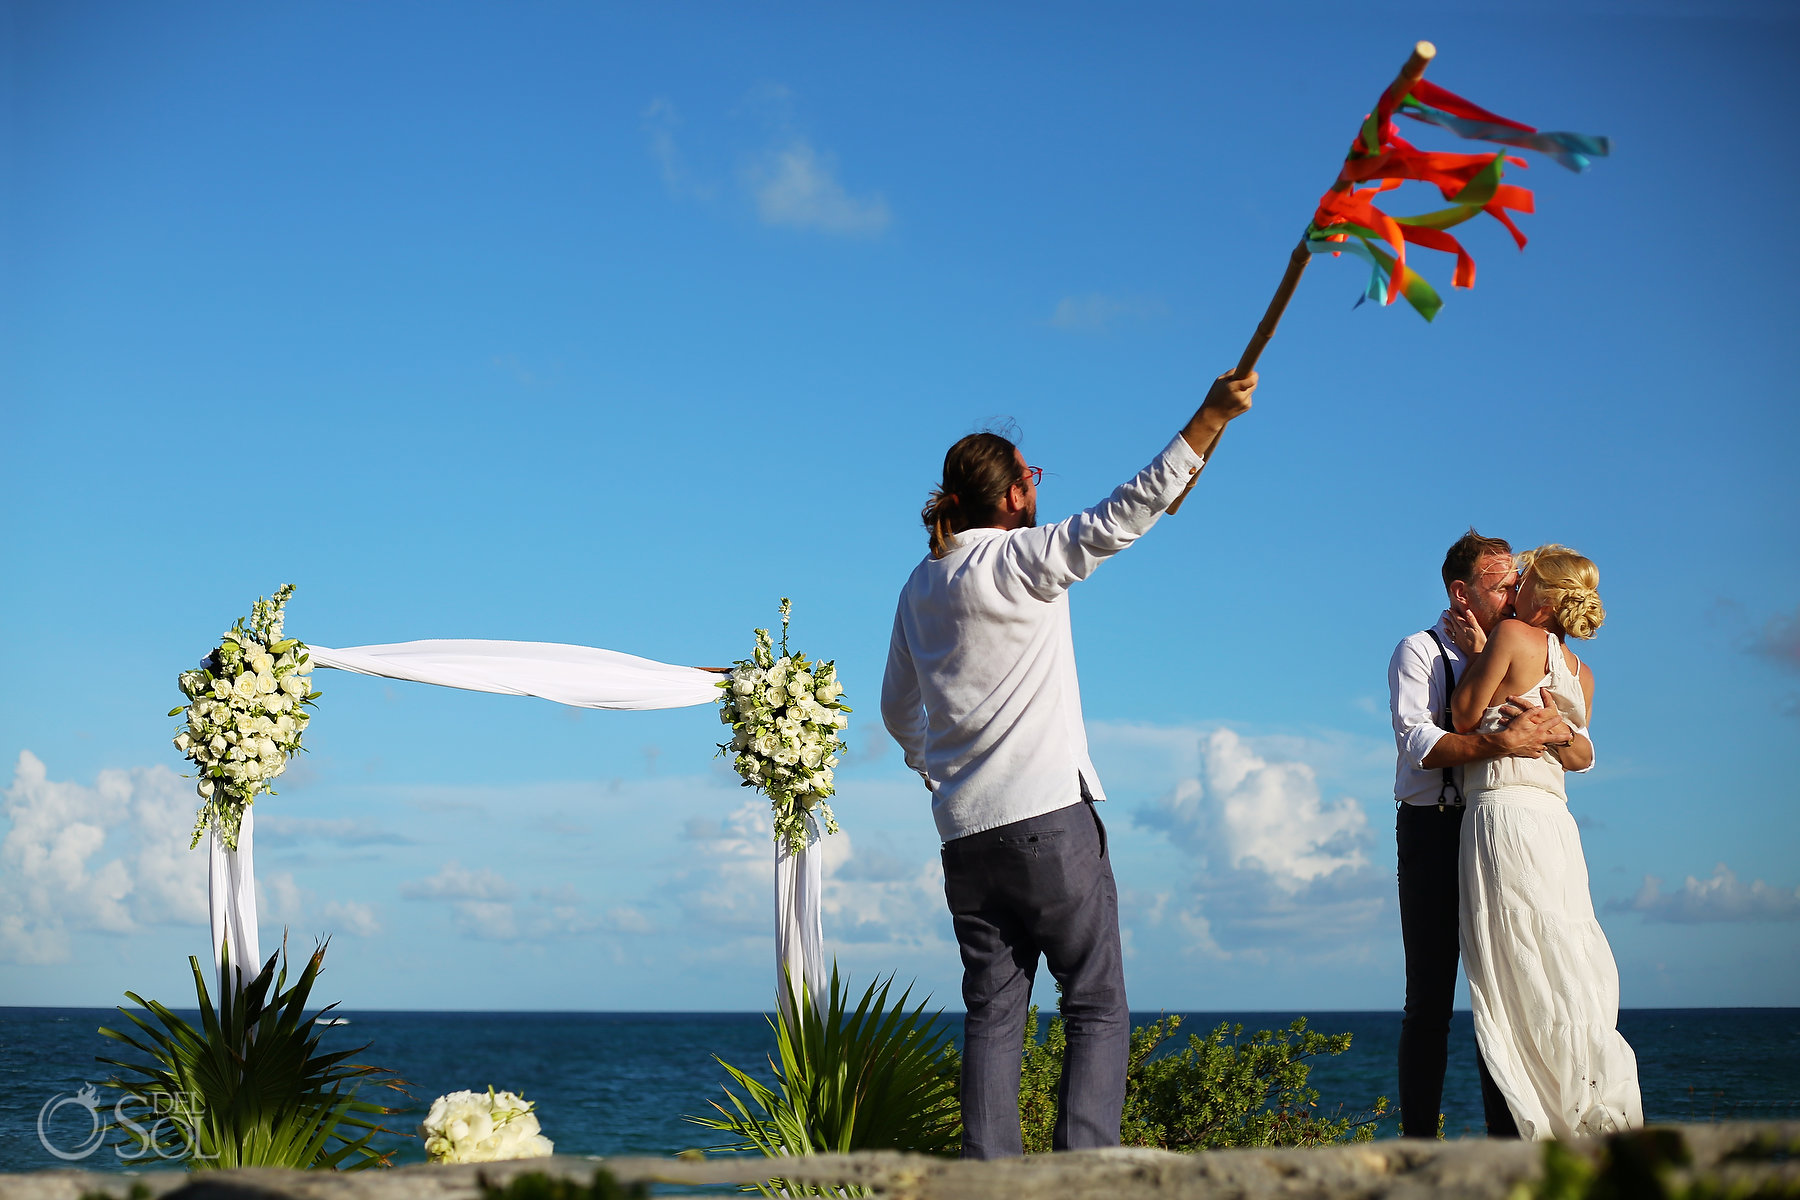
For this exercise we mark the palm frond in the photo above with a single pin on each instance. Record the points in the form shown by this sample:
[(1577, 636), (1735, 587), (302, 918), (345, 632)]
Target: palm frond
[(250, 1086), (879, 1076)]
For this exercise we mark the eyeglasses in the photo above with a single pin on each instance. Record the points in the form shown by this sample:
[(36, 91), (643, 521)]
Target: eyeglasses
[(1035, 474)]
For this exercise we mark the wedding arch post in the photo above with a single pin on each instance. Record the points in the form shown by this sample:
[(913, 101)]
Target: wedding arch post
[(1410, 73)]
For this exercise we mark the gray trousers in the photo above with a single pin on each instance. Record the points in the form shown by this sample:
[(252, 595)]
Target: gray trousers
[(1043, 885)]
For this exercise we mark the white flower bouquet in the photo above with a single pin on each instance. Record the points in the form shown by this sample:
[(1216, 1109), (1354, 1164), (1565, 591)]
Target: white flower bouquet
[(246, 710), (467, 1127), (786, 714)]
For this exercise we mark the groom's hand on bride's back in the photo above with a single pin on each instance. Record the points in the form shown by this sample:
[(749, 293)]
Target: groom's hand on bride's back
[(1531, 729)]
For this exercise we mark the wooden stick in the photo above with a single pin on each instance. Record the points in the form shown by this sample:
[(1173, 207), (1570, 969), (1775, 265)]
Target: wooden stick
[(1410, 74)]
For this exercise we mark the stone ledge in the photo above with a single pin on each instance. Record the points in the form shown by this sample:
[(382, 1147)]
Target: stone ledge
[(1387, 1170)]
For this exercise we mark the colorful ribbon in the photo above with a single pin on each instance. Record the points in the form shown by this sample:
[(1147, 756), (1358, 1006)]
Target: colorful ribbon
[(1347, 218)]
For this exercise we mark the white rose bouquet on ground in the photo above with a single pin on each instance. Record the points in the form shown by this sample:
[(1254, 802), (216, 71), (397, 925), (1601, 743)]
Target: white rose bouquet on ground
[(466, 1127), (787, 715), (246, 710)]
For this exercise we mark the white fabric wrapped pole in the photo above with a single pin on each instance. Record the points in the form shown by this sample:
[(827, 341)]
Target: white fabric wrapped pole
[(231, 900), (799, 930), (581, 676)]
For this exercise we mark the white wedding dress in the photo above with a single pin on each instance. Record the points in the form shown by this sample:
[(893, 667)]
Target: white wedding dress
[(1542, 980)]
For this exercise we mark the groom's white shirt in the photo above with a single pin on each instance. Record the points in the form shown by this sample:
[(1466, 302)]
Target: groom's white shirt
[(981, 691), (1416, 702)]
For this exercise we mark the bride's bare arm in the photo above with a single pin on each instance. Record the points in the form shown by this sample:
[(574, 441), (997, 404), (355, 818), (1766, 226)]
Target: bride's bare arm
[(1487, 675)]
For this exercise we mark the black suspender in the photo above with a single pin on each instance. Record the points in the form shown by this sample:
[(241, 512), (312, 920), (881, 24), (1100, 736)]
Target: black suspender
[(1449, 786)]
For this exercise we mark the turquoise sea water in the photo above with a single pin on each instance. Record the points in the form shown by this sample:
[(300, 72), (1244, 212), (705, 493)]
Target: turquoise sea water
[(620, 1083)]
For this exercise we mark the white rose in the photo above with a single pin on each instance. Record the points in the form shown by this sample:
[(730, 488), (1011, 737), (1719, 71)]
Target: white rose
[(244, 687), (811, 755), (205, 788), (295, 685), (841, 721), (222, 688), (218, 743), (265, 683), (261, 663), (741, 685), (182, 742), (767, 743)]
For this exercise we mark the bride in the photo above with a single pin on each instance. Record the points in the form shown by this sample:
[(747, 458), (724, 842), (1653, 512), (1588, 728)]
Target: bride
[(1542, 981)]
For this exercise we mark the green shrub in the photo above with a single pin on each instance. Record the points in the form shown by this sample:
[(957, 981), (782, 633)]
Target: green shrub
[(251, 1086), (1216, 1091), (877, 1078)]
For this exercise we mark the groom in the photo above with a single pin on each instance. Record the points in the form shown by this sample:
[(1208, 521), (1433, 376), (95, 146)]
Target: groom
[(1479, 578), (981, 694)]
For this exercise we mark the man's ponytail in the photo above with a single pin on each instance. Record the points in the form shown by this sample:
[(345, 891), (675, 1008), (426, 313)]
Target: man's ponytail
[(979, 471)]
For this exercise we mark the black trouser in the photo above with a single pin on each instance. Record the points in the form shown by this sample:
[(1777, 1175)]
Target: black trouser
[(1041, 886), (1427, 839)]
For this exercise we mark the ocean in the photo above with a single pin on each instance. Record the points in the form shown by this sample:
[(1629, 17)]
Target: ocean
[(621, 1083)]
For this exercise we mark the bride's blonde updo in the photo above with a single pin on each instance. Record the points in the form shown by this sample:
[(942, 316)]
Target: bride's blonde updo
[(1571, 583)]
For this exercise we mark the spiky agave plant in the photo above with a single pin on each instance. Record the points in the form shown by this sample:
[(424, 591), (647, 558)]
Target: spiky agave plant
[(251, 1086), (876, 1078)]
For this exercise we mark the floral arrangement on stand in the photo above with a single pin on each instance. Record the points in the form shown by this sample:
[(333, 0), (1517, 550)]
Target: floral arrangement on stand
[(246, 710), (467, 1127), (787, 715)]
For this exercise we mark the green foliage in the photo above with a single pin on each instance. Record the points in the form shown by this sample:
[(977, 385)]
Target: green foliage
[(539, 1186), (1651, 1164), (876, 1078), (1216, 1091), (251, 1086)]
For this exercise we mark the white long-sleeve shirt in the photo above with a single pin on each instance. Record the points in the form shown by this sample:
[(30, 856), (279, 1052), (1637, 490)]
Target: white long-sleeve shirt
[(1416, 701), (981, 691)]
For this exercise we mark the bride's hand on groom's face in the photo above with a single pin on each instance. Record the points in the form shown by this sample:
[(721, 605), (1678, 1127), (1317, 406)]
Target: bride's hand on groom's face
[(1465, 630)]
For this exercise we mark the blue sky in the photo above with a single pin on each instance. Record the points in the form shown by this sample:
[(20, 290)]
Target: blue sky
[(614, 325)]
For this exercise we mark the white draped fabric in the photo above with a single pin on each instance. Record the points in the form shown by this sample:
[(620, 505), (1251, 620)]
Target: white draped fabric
[(231, 898), (580, 676), (799, 932)]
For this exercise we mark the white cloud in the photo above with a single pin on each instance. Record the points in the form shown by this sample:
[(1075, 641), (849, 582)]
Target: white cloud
[(340, 831), (883, 902), (112, 857), (456, 882), (1721, 898), (660, 123), (1246, 813), (481, 900), (1096, 313), (1275, 868), (488, 920), (280, 899), (352, 917), (796, 186)]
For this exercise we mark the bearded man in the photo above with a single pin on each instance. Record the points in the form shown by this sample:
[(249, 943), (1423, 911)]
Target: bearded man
[(982, 695)]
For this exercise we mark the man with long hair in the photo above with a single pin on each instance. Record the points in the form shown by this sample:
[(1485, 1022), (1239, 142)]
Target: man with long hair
[(982, 695)]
